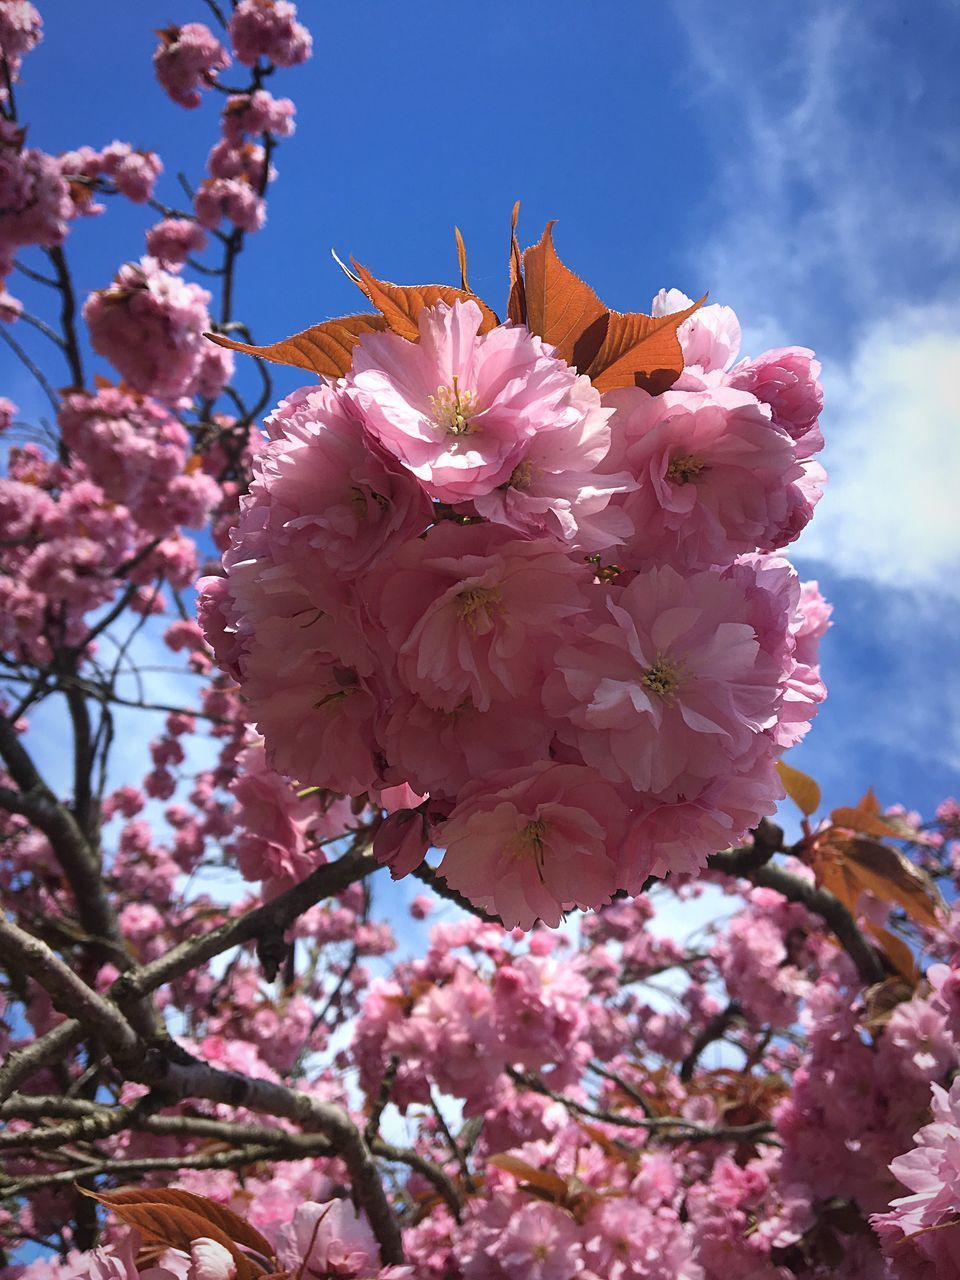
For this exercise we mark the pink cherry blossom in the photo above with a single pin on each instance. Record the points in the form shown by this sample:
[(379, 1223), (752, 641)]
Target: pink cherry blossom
[(667, 685), (187, 60), (269, 29), (710, 338), (533, 842), (458, 407), (786, 379), (475, 613), (350, 503), (713, 475), (173, 240), (257, 113), (931, 1171), (150, 325)]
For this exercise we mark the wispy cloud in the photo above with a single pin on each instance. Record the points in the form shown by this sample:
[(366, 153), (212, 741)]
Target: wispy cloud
[(837, 149)]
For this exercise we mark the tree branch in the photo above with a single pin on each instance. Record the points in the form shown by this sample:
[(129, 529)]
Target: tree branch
[(51, 1047), (182, 1077), (264, 924), (23, 953)]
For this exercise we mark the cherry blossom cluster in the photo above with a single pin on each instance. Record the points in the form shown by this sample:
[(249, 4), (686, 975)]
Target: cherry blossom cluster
[(69, 541), (559, 618), (921, 1233), (556, 1070), (149, 324), (470, 602)]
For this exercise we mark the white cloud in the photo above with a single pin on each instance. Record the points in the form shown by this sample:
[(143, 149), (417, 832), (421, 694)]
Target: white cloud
[(891, 512), (836, 162), (836, 228)]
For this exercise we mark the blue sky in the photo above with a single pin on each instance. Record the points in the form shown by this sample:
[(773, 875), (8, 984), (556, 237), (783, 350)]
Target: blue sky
[(802, 163)]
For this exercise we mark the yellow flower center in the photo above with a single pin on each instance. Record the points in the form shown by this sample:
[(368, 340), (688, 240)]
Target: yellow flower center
[(479, 603), (684, 468), (522, 476), (453, 408), (528, 842), (662, 678)]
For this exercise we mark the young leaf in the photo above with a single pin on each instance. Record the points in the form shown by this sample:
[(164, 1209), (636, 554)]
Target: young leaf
[(891, 876), (640, 350), (237, 1228), (801, 788), (560, 306), (517, 303), (551, 1185), (401, 304), (866, 819), (323, 348), (462, 260), (896, 951), (172, 1225), (880, 1000)]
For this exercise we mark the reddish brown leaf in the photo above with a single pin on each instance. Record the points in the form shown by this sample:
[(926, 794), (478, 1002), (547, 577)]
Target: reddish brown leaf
[(323, 348), (864, 823), (168, 1222), (462, 260), (401, 304), (890, 875), (867, 819), (800, 787), (849, 866), (640, 350), (517, 304), (898, 955), (550, 1184), (560, 306), (217, 1216)]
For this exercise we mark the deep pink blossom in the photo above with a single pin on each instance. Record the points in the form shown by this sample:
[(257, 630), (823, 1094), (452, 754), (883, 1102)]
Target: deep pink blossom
[(476, 613), (269, 29), (667, 686), (173, 240), (187, 60), (150, 325)]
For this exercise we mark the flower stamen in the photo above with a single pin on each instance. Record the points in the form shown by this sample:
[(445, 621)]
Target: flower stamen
[(477, 601), (662, 678), (684, 468), (453, 409)]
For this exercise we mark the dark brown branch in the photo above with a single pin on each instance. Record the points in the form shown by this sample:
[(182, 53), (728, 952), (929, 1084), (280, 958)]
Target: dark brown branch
[(51, 1047), (79, 861), (122, 1169), (427, 1168), (25, 954), (68, 314), (186, 1078), (669, 1128), (623, 1085), (714, 1030), (31, 366), (267, 922)]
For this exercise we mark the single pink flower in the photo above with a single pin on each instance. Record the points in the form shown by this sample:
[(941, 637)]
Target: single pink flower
[(668, 686), (474, 613), (457, 407), (713, 475), (532, 843), (348, 502)]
